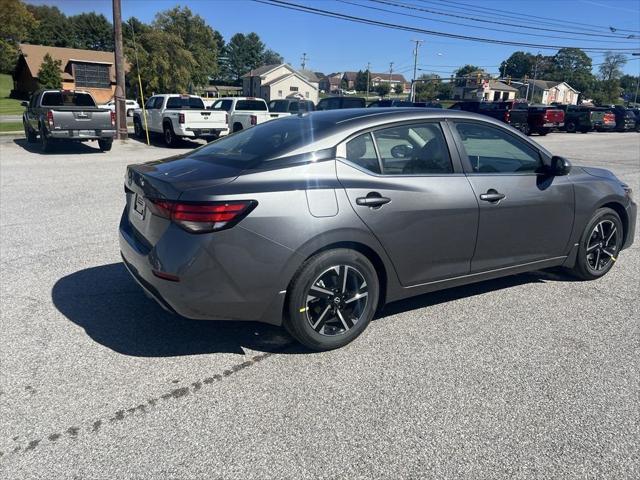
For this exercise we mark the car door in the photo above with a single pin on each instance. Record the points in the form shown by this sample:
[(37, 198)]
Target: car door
[(526, 215), (409, 189)]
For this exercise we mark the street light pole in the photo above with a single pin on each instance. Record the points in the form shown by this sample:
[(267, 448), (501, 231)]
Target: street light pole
[(121, 112), (368, 78)]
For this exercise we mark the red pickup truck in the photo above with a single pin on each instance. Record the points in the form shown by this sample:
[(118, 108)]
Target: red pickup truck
[(543, 119)]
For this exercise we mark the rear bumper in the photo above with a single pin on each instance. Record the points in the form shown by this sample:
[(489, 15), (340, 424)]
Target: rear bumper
[(82, 134), (202, 132), (235, 279)]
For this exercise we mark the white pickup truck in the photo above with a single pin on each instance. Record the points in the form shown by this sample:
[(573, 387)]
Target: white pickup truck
[(245, 112), (176, 116)]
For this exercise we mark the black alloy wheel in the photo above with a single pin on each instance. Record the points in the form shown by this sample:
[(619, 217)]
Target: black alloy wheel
[(336, 300), (331, 299), (600, 245)]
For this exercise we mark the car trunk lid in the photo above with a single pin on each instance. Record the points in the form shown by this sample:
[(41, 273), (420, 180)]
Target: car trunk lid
[(167, 180)]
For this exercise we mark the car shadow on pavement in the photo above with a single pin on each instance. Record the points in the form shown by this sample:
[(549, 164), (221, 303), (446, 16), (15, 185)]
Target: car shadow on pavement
[(156, 140), (59, 148), (115, 312), (107, 303)]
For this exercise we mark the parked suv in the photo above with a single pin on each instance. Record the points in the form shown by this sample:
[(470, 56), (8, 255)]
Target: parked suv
[(335, 103), (391, 103), (625, 118)]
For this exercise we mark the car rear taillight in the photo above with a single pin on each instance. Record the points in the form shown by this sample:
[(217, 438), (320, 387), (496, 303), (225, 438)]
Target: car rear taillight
[(507, 116), (202, 217), (253, 119), (50, 118), (226, 119), (113, 119), (181, 118)]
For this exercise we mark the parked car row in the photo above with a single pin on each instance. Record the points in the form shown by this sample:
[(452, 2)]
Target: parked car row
[(68, 115)]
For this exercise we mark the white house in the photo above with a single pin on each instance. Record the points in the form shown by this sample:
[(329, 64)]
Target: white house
[(551, 92), (272, 82), (484, 89)]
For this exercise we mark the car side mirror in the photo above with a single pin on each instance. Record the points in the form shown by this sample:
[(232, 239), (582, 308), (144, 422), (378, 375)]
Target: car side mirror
[(559, 166), (25, 104)]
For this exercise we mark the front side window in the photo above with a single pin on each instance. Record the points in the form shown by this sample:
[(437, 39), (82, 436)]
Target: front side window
[(418, 149), (493, 150), (158, 103), (149, 104)]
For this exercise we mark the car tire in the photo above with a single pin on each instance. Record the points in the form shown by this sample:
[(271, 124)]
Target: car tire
[(542, 133), (137, 128), (525, 129), (570, 127), (237, 127), (170, 139), (29, 134), (45, 143), (599, 246), (332, 298), (105, 144), (585, 130)]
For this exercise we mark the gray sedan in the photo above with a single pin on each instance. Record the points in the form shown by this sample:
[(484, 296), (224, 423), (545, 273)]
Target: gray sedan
[(317, 220)]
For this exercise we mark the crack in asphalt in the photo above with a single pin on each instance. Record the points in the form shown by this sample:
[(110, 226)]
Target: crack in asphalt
[(96, 424)]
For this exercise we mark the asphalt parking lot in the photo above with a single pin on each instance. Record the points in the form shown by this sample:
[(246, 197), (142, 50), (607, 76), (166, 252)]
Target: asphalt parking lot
[(531, 376)]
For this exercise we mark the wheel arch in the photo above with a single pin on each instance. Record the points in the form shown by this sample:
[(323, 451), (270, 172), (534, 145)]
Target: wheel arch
[(624, 217)]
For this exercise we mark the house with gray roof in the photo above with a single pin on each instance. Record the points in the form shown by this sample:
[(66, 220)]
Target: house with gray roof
[(272, 82), (548, 92)]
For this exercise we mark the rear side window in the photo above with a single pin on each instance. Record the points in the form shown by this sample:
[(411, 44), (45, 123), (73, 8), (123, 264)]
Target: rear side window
[(360, 151), (418, 149), (492, 150), (185, 103), (253, 105), (353, 103), (67, 99)]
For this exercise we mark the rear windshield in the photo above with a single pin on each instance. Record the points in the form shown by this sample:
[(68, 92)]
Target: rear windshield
[(185, 103), (279, 106), (67, 99), (249, 148), (254, 105), (222, 105)]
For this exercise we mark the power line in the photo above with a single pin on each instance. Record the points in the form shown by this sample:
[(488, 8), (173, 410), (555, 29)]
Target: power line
[(495, 22), (367, 21), (470, 7)]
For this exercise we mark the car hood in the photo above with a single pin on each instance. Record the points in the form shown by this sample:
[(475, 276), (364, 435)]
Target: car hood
[(599, 172)]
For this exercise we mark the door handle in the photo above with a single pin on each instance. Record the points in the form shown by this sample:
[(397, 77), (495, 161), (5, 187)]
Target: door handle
[(373, 199), (492, 196)]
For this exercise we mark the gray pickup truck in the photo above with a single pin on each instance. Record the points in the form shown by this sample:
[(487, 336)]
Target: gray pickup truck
[(67, 115)]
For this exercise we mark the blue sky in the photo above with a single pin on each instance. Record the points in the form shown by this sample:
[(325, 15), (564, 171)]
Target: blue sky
[(338, 45)]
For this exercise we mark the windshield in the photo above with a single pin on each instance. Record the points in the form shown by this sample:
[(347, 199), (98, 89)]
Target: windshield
[(184, 103), (67, 99), (249, 148)]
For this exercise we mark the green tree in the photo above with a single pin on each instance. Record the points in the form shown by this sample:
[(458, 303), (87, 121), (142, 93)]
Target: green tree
[(197, 36), (92, 31), (383, 89), (361, 80), (398, 89), (271, 57), (15, 22), (606, 92), (52, 27), (428, 87), (518, 65), (464, 72), (573, 66), (164, 63), (243, 53), (49, 74), (611, 67)]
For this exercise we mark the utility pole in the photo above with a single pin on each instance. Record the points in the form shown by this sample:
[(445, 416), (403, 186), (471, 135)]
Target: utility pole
[(121, 112), (304, 60), (412, 97), (390, 75), (368, 78)]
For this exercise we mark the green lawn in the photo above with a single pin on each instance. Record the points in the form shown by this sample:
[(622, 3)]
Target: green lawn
[(8, 106), (10, 127)]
